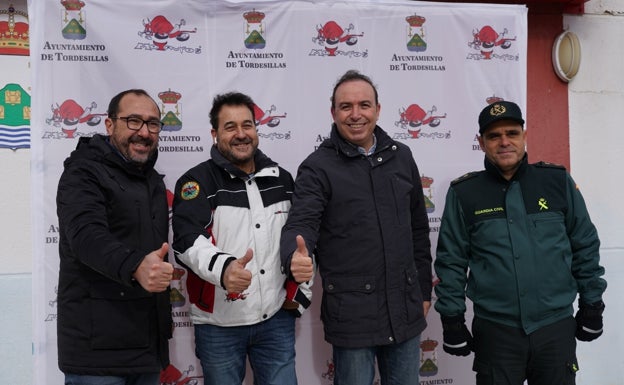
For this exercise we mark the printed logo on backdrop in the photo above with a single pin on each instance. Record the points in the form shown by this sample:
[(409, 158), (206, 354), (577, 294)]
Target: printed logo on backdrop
[(52, 315), (170, 138), (428, 359), (171, 375), (416, 33), (337, 40), (14, 117), (68, 117), (177, 289), (255, 40), (416, 45), (73, 27), (14, 34), (170, 109), (491, 44), (255, 30), (418, 123), (74, 20), (267, 122), (427, 185), (429, 364), (162, 35)]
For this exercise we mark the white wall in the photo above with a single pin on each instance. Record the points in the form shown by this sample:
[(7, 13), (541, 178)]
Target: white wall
[(596, 97), (16, 250), (15, 246), (596, 133)]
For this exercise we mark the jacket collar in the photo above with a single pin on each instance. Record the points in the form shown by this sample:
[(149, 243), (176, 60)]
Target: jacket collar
[(98, 147), (351, 150), (493, 169), (263, 163)]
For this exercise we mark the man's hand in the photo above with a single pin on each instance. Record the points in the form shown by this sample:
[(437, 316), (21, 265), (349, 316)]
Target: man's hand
[(589, 321), (236, 278), (457, 338), (154, 274), (301, 265)]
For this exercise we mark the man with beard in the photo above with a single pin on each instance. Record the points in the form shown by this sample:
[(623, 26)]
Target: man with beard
[(114, 314), (228, 213)]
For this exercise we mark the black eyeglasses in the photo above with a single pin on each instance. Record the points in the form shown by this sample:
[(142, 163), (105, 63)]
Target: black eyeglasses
[(135, 124)]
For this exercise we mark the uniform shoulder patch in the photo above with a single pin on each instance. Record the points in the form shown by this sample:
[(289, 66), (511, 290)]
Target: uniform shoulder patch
[(549, 165), (465, 177), (189, 190)]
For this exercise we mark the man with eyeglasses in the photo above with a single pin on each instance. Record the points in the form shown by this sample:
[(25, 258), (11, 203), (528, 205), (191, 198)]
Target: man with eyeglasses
[(114, 314)]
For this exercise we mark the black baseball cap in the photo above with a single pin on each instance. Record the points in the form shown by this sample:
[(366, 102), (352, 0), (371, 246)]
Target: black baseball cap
[(499, 111)]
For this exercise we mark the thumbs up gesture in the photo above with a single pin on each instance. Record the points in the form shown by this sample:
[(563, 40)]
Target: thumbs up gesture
[(236, 278), (301, 265), (153, 273)]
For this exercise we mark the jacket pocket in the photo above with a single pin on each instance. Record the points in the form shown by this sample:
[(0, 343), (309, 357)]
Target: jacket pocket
[(350, 304), (413, 296), (121, 317)]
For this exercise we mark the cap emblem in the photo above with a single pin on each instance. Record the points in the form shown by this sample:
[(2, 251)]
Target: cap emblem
[(497, 110)]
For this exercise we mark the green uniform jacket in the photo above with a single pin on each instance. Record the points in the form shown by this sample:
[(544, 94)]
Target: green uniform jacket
[(521, 249)]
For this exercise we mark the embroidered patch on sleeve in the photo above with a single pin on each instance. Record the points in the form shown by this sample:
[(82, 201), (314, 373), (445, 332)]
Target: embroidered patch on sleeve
[(190, 190)]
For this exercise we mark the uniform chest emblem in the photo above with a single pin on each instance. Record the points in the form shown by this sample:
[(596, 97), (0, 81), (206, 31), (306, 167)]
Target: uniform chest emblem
[(543, 204)]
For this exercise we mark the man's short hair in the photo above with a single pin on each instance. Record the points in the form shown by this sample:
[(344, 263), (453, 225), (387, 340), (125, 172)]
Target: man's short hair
[(230, 99), (113, 106), (350, 76)]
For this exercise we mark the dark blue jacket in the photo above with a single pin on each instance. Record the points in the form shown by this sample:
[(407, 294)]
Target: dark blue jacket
[(365, 219), (111, 214)]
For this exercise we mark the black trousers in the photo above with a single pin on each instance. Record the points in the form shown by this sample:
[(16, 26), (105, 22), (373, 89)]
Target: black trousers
[(507, 356)]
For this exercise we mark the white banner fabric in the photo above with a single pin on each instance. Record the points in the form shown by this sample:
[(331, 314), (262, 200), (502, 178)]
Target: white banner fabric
[(436, 65)]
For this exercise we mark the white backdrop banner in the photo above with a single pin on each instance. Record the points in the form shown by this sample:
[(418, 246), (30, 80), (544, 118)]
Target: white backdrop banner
[(436, 65)]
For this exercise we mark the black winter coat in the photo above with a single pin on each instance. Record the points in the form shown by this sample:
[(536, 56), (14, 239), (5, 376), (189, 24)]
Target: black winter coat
[(111, 214), (365, 218)]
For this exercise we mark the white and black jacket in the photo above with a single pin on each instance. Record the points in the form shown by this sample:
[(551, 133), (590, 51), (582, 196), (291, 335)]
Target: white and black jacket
[(218, 213)]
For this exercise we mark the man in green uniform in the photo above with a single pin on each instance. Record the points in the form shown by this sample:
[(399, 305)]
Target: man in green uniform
[(516, 238)]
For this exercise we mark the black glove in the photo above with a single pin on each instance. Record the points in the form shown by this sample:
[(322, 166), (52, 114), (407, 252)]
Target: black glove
[(457, 338), (589, 321)]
